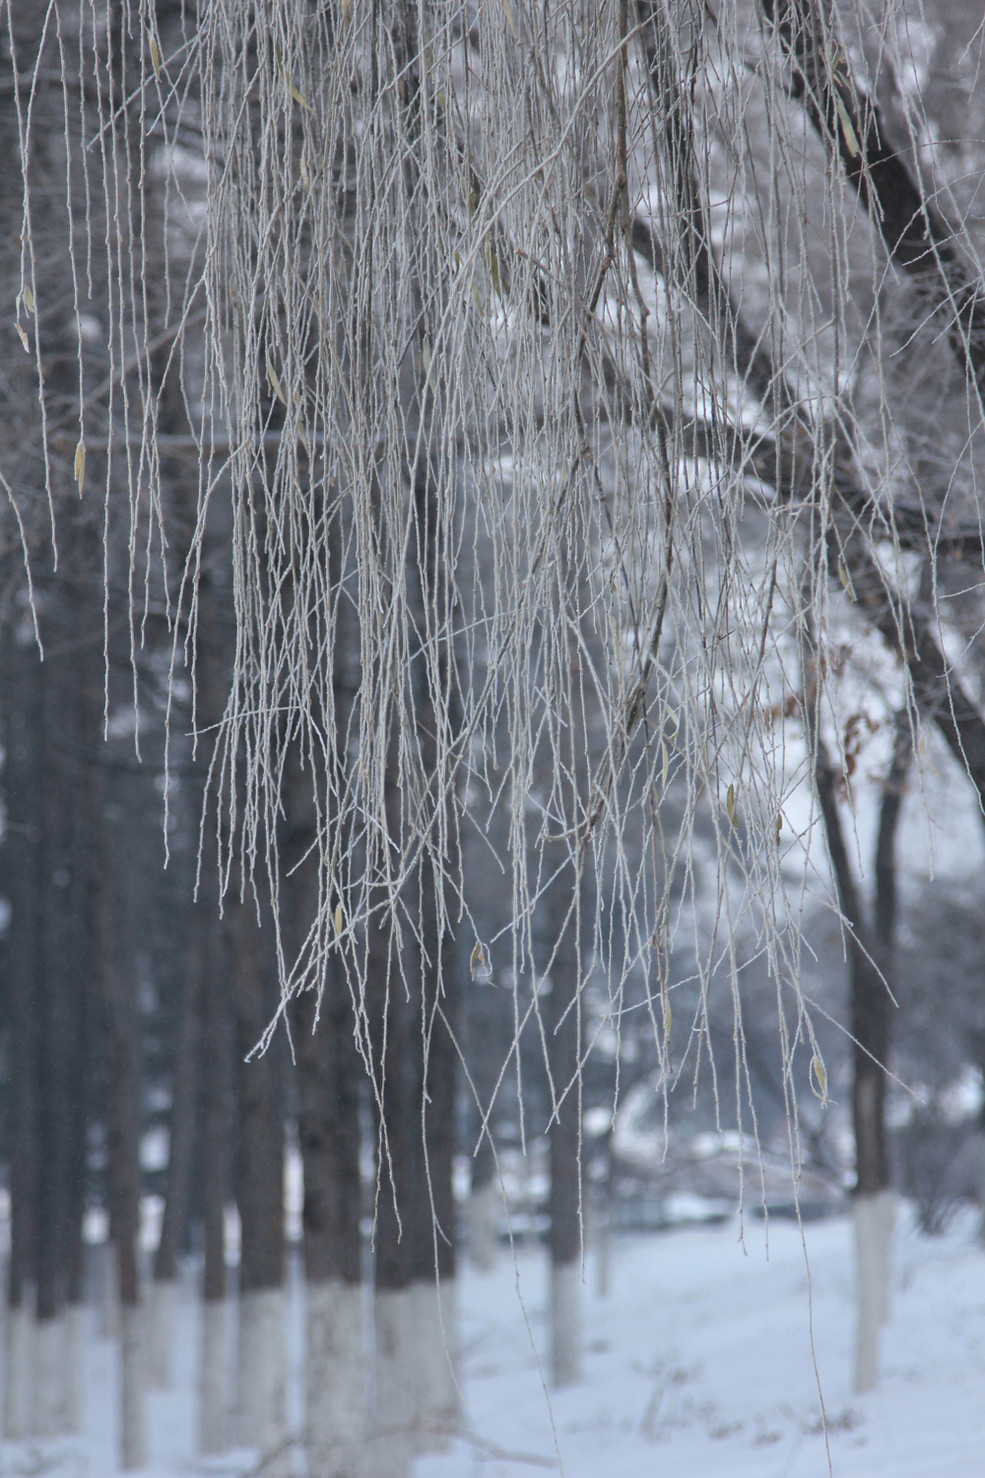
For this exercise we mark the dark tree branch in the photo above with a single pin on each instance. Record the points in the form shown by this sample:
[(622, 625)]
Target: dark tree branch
[(798, 469), (919, 241)]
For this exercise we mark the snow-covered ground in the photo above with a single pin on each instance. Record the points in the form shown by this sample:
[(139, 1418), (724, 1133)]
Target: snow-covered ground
[(707, 1359), (711, 1360)]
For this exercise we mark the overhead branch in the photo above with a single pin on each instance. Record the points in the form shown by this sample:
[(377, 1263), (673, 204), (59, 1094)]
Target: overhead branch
[(808, 459), (918, 238), (697, 270)]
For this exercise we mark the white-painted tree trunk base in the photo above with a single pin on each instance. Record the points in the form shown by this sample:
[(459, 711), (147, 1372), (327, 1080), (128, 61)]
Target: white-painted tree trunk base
[(432, 1360), (485, 1210), (566, 1323), (108, 1291), (76, 1319), (133, 1389), (394, 1417), (874, 1219), (164, 1302), (49, 1377), (19, 1373), (213, 1383), (262, 1384), (336, 1383), (603, 1251)]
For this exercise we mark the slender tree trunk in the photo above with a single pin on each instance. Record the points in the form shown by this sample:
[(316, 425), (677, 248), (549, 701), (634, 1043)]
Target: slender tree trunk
[(329, 1127), (433, 1240), (330, 1078), (121, 1035), (485, 1209), (21, 715), (399, 1190), (214, 1158), (870, 962), (262, 1395), (562, 1024), (62, 1026), (428, 1206), (875, 1204), (181, 1139)]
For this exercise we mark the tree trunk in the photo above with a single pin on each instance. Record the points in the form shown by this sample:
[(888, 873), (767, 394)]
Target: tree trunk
[(65, 961), (124, 1173), (433, 1240), (870, 960), (261, 1398), (213, 1157), (329, 1128), (117, 990), (485, 1209), (875, 1204), (330, 1077), (182, 1125), (21, 716), (562, 1025), (399, 1191)]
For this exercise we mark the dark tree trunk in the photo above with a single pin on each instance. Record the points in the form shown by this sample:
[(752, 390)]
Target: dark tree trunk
[(397, 1065), (436, 707), (918, 240), (329, 1129), (181, 1143), (869, 956), (439, 1245), (872, 1004), (400, 1203), (261, 1151), (120, 1026), (562, 1027), (115, 976), (260, 1194), (21, 715), (182, 1118), (330, 1072), (213, 1157), (64, 959), (870, 960)]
